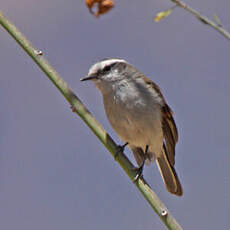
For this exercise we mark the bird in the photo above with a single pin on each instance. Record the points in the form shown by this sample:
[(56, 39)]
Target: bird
[(140, 116)]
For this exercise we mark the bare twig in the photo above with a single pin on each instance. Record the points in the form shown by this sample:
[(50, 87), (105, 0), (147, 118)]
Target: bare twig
[(203, 19)]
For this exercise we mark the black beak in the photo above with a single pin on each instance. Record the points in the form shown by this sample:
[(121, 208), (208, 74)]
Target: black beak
[(88, 78)]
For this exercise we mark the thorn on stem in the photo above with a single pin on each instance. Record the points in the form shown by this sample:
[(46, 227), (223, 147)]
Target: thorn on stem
[(73, 109)]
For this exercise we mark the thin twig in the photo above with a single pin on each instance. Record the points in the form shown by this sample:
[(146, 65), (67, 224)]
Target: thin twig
[(203, 19), (78, 107)]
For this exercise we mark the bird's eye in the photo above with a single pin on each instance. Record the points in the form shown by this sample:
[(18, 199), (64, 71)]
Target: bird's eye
[(107, 68)]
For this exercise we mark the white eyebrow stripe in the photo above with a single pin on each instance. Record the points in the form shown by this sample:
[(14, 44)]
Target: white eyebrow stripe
[(111, 61), (101, 65)]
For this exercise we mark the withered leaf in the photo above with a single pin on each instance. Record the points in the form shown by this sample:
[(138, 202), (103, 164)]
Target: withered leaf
[(103, 6)]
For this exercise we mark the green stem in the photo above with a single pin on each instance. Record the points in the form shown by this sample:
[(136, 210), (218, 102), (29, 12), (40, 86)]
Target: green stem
[(203, 19), (97, 129)]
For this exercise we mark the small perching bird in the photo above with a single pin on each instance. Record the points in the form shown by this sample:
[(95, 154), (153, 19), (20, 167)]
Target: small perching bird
[(138, 112)]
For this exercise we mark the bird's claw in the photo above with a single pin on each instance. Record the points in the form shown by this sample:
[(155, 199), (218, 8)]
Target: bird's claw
[(120, 149), (139, 172)]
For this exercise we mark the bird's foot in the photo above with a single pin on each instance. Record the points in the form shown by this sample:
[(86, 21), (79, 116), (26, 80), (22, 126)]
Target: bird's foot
[(120, 149), (139, 170)]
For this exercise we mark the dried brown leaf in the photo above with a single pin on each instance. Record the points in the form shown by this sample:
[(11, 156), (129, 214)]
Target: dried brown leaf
[(103, 6)]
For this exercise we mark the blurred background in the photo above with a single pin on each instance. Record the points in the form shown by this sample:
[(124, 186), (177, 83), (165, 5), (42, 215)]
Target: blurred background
[(54, 173)]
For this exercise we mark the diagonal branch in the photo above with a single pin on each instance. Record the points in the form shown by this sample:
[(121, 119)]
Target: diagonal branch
[(203, 19), (91, 122)]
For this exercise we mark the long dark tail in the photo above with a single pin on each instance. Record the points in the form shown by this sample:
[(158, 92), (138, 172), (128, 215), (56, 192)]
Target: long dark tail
[(169, 175)]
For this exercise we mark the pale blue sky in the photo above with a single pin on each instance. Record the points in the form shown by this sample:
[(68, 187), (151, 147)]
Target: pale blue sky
[(54, 173)]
